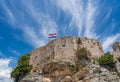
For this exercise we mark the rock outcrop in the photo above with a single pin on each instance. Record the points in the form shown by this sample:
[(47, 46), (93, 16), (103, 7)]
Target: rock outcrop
[(58, 62)]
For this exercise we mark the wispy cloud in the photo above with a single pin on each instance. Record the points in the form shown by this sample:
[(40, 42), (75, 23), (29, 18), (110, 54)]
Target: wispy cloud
[(46, 24), (32, 37), (5, 70), (82, 17), (35, 35), (90, 18), (109, 41), (9, 14), (74, 9)]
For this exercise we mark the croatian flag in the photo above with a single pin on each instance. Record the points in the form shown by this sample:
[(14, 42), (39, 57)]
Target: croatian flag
[(53, 35)]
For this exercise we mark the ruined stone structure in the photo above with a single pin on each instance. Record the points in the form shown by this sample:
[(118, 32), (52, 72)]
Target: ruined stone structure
[(116, 50), (63, 49), (116, 54), (58, 62), (116, 46)]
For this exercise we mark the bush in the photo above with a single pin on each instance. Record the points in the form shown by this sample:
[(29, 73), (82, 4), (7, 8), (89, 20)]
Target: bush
[(82, 53), (22, 68), (107, 60)]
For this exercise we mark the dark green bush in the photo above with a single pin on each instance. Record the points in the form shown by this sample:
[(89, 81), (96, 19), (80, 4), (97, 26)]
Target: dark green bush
[(107, 60), (22, 68)]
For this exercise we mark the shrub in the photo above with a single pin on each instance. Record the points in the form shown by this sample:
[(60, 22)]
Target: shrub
[(22, 68), (107, 60), (82, 53)]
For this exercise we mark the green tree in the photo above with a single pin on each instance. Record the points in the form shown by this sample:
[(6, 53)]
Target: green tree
[(107, 60), (22, 68)]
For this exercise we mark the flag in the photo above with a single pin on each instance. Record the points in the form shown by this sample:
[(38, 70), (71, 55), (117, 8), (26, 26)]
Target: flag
[(53, 35)]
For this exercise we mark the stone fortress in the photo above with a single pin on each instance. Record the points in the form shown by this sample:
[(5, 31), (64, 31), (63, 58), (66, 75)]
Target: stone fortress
[(53, 62), (63, 49)]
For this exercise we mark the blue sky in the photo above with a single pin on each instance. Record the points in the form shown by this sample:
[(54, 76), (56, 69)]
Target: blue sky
[(25, 25)]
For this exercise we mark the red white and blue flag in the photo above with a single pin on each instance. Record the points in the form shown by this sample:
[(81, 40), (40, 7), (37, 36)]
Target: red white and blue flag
[(52, 35)]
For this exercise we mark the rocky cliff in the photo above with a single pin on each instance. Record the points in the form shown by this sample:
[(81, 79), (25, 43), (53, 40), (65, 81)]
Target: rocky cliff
[(58, 61)]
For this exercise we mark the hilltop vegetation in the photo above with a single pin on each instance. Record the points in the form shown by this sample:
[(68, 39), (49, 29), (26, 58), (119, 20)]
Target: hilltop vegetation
[(107, 60), (22, 68)]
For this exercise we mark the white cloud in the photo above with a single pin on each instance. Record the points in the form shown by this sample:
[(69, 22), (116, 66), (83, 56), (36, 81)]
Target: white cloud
[(39, 37), (81, 13), (44, 20), (108, 42), (90, 18), (47, 26), (75, 9), (35, 36), (5, 70), (32, 37), (82, 17), (9, 14)]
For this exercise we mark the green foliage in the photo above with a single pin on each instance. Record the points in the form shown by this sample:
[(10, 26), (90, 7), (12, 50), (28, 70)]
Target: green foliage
[(82, 53), (22, 68), (107, 60)]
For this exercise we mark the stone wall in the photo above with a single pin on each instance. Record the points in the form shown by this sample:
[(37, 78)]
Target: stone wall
[(116, 50), (116, 54), (63, 49), (116, 46)]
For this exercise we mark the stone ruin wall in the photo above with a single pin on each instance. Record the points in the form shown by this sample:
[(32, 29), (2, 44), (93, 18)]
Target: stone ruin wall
[(116, 46), (116, 54), (116, 50), (63, 49)]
